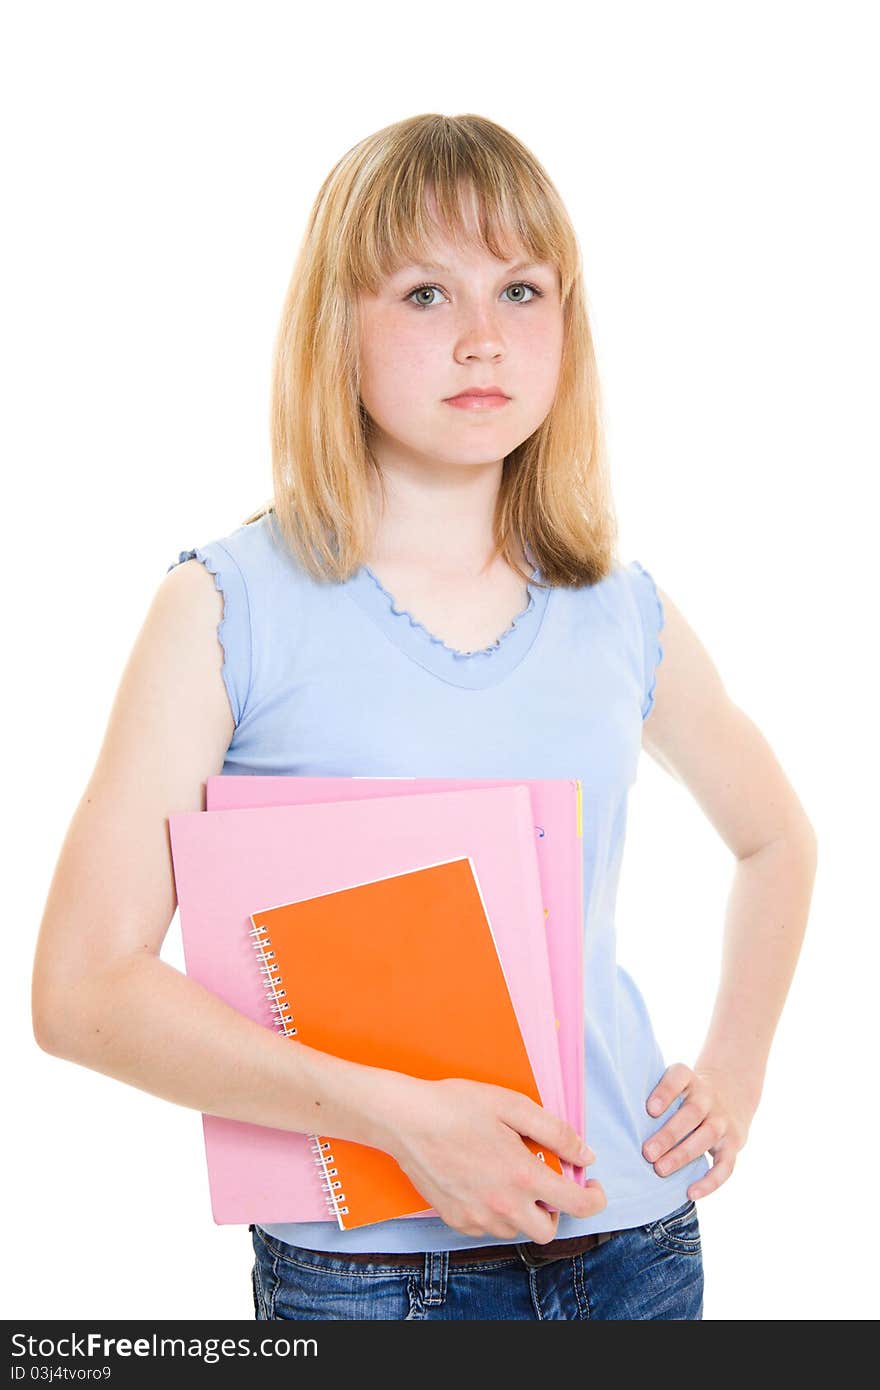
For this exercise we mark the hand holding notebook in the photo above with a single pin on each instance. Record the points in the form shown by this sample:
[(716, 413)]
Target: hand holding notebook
[(461, 1144), (229, 861), (401, 973)]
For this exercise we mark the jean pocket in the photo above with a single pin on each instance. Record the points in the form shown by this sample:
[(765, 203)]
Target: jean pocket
[(679, 1230), (257, 1293), (302, 1284)]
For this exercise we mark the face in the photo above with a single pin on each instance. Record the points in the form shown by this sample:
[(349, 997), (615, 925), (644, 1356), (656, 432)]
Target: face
[(463, 319)]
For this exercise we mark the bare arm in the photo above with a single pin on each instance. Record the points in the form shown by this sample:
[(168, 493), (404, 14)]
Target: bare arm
[(103, 997), (704, 740)]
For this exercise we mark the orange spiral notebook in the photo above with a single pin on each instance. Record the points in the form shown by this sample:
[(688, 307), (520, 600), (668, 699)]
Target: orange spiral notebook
[(402, 973)]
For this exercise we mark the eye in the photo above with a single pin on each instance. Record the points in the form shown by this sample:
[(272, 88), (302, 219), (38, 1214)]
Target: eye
[(522, 285), (423, 289), (534, 292)]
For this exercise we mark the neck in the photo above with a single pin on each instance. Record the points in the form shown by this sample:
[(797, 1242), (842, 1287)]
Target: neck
[(439, 516)]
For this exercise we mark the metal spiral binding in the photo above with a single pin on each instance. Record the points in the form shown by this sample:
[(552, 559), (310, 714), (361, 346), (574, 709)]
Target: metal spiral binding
[(275, 992), (280, 1006), (329, 1174)]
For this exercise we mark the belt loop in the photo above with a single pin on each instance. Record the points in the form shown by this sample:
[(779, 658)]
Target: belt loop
[(435, 1276)]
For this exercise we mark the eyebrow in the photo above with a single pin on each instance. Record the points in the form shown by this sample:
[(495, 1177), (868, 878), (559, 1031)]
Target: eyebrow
[(521, 265)]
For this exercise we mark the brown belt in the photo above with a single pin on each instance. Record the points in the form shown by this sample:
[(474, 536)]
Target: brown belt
[(531, 1252)]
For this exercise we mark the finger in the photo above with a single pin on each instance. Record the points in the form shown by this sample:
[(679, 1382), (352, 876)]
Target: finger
[(533, 1121), (702, 1138), (709, 1182), (551, 1212), (685, 1121), (670, 1085), (540, 1225), (570, 1197)]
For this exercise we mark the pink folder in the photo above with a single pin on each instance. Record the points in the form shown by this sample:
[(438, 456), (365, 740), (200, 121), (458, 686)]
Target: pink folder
[(228, 863), (558, 816)]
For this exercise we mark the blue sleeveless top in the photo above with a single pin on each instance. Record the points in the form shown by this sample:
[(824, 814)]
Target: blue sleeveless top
[(336, 679)]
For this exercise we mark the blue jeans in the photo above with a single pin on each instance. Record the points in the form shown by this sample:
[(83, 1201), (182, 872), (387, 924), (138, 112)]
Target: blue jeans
[(651, 1271)]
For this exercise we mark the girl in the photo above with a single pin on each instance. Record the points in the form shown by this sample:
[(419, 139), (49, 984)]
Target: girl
[(435, 591)]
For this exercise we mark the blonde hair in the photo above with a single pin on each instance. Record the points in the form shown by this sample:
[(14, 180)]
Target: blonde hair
[(369, 217)]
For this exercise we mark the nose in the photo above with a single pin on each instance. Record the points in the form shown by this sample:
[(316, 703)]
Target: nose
[(479, 336)]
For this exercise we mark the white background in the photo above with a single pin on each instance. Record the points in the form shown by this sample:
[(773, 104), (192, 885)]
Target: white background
[(160, 161)]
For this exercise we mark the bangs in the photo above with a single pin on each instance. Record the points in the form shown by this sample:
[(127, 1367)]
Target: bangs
[(446, 180)]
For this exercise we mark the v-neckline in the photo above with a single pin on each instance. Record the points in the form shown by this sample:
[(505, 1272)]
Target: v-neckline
[(474, 670)]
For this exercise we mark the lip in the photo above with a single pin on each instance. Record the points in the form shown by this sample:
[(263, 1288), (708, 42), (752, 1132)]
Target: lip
[(479, 398), (478, 391)]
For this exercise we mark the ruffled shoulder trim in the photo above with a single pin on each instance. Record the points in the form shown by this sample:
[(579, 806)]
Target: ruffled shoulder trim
[(653, 620), (234, 627)]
